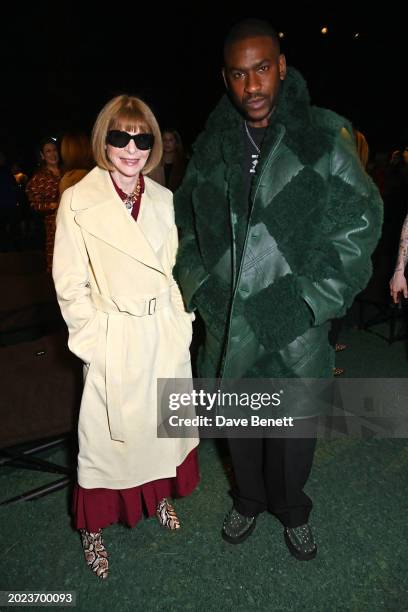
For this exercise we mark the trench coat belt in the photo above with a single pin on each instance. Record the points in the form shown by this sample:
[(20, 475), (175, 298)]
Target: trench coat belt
[(117, 308)]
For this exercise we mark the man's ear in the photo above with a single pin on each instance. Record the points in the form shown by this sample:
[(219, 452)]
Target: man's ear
[(224, 78), (282, 67)]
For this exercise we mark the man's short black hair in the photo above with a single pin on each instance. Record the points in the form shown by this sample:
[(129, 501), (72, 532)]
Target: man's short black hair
[(249, 28)]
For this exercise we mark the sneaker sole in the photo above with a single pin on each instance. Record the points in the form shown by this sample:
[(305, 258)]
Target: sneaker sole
[(296, 553), (241, 538)]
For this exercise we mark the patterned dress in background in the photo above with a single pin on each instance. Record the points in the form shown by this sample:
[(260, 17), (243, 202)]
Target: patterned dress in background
[(43, 194)]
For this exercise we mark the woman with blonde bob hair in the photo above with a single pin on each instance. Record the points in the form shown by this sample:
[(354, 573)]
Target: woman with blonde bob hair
[(115, 248)]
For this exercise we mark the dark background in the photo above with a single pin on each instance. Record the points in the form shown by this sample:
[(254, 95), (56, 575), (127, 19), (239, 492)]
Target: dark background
[(61, 63)]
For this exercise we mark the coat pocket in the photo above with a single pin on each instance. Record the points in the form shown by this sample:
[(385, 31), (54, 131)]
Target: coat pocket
[(304, 350), (96, 366)]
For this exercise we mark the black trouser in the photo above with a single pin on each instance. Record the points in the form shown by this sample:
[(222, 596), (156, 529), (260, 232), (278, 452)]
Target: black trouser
[(270, 474)]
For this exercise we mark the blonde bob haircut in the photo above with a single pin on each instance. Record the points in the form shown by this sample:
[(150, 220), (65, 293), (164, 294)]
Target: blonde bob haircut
[(130, 114)]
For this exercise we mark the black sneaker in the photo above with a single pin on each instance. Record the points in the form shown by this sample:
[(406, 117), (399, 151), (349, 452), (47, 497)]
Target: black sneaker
[(236, 527), (301, 542)]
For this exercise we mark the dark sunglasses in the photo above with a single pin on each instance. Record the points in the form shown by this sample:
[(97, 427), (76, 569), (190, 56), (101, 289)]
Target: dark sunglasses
[(120, 139)]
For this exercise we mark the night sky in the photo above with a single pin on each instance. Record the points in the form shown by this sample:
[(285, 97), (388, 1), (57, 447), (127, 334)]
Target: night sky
[(62, 62)]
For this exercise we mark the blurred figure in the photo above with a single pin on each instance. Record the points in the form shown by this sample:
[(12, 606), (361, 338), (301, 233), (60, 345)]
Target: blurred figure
[(363, 152), (399, 172), (9, 207), (362, 147), (43, 191), (395, 201), (76, 157), (27, 223), (170, 171), (377, 169), (19, 176), (398, 282)]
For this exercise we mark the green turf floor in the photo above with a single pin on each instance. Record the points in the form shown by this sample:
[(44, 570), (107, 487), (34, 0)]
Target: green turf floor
[(360, 520)]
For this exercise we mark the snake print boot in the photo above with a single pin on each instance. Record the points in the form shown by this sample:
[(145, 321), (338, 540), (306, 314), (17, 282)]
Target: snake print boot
[(166, 515), (96, 555)]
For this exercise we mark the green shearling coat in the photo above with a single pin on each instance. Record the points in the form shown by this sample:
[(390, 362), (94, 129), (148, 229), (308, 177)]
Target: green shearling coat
[(315, 218)]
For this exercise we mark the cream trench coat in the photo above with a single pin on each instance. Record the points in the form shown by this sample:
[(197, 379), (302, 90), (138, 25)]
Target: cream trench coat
[(127, 322)]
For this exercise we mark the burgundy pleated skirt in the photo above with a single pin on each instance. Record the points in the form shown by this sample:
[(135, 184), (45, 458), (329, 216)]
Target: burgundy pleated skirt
[(95, 509)]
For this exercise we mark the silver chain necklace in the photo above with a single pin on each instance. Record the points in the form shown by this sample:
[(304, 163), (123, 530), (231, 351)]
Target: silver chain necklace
[(251, 140)]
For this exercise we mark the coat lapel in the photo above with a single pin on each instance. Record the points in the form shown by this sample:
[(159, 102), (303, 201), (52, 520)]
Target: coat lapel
[(100, 212), (150, 222)]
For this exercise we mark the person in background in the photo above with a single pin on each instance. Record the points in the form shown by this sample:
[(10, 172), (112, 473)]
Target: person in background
[(10, 213), (20, 177), (43, 191), (173, 164), (398, 282), (277, 223), (363, 153), (115, 248), (76, 155), (399, 167), (363, 150)]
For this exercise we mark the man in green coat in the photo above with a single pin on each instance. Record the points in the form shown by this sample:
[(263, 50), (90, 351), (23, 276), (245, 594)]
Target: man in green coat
[(277, 223)]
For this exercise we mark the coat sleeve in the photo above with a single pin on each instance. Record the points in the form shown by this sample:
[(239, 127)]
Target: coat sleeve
[(176, 298), (355, 210), (71, 278), (189, 270)]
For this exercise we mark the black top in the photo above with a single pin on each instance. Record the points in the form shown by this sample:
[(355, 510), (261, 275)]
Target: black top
[(251, 161)]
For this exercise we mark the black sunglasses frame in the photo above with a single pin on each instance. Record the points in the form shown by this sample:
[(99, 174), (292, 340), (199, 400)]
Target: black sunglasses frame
[(120, 139)]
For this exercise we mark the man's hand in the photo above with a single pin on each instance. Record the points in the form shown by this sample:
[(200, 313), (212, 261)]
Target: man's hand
[(398, 284)]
